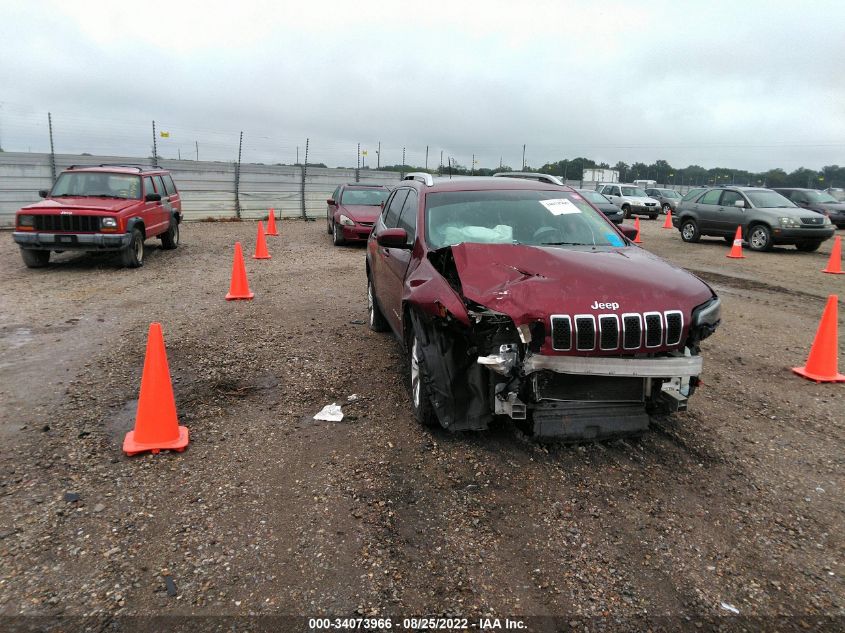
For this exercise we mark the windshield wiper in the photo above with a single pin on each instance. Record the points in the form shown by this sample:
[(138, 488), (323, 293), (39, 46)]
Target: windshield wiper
[(565, 244)]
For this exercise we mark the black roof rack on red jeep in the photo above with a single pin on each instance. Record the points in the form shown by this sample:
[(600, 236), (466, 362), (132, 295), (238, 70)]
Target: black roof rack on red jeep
[(140, 168)]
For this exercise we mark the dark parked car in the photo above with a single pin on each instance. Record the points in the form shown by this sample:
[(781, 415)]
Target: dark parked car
[(351, 211), (766, 218), (818, 201), (668, 198), (517, 298), (101, 208), (610, 210)]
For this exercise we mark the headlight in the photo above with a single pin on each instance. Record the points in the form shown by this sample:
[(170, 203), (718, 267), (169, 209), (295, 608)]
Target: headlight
[(790, 222), (709, 313), (827, 220), (26, 220), (109, 223), (346, 221)]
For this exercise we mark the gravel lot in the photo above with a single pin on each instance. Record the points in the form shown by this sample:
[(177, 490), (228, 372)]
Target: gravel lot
[(736, 503)]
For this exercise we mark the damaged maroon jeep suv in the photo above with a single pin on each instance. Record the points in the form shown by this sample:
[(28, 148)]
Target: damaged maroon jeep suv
[(103, 208), (520, 299)]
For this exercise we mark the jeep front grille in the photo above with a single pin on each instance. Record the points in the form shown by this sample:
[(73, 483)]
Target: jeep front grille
[(650, 330), (71, 223)]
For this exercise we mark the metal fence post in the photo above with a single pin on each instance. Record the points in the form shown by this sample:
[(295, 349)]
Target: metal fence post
[(238, 179), (155, 147), (302, 184), (358, 168), (52, 150)]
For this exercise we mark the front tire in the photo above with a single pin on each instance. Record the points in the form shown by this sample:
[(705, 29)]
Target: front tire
[(337, 235), (689, 231), (133, 255), (417, 379), (808, 247), (170, 239), (35, 259), (760, 238), (376, 319)]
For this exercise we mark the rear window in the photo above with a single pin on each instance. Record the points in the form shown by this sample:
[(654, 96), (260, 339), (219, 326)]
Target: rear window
[(537, 218), (367, 197)]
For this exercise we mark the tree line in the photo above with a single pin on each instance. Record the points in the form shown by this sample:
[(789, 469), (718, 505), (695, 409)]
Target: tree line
[(662, 172)]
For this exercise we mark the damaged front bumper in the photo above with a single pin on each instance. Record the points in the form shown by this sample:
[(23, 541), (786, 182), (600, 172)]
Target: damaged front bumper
[(589, 397)]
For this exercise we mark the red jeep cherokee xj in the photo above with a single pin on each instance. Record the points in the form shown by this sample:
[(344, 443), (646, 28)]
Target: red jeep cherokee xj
[(104, 208), (518, 298)]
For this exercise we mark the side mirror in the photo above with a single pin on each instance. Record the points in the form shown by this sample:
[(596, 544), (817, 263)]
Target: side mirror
[(153, 197), (739, 203), (628, 231), (331, 202), (43, 193), (393, 238)]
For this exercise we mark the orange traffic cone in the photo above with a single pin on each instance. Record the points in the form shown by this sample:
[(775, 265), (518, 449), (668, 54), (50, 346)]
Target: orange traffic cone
[(668, 223), (261, 244), (271, 223), (156, 425), (637, 239), (834, 264), (736, 249), (239, 288), (823, 359)]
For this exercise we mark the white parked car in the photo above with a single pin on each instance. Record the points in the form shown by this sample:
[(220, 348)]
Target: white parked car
[(631, 199)]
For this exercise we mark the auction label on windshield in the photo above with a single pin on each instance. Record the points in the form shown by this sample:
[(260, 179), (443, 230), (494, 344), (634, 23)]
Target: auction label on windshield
[(560, 206)]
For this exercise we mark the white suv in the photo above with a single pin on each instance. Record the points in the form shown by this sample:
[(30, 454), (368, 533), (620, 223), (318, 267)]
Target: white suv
[(631, 199)]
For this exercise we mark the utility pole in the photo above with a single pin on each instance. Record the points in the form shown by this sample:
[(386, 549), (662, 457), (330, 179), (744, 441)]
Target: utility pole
[(472, 167), (302, 186), (378, 156), (238, 178), (197, 145), (440, 171), (297, 154), (155, 148), (426, 157), (52, 150), (179, 152), (523, 158)]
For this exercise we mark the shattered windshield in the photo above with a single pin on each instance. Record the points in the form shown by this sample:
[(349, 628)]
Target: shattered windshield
[(97, 185), (536, 218)]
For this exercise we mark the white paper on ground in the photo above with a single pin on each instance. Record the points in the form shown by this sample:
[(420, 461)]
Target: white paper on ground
[(330, 413)]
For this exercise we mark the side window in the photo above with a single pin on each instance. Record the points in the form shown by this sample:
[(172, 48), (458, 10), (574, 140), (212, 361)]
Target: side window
[(614, 191), (392, 214), (408, 217), (168, 185), (729, 197), (711, 197), (160, 186), (148, 185)]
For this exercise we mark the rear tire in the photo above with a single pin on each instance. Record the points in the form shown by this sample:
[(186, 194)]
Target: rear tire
[(376, 319), (653, 216), (35, 259), (689, 231), (626, 212), (170, 239), (808, 247), (417, 379), (665, 209), (133, 255)]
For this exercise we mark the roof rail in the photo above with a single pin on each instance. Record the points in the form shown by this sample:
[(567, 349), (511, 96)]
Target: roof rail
[(421, 176), (140, 168)]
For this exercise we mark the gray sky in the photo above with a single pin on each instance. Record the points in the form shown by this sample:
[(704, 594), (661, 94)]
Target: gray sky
[(747, 85)]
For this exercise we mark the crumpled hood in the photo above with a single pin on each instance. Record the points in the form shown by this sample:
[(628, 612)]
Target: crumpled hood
[(110, 205), (361, 212), (530, 283)]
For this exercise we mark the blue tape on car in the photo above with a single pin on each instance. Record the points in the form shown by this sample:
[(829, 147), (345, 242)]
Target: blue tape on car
[(614, 239)]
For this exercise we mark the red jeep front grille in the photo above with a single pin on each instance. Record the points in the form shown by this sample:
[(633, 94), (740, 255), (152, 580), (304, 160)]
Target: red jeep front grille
[(70, 223)]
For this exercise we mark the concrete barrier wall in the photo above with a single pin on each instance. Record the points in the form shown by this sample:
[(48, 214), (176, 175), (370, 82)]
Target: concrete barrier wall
[(207, 188)]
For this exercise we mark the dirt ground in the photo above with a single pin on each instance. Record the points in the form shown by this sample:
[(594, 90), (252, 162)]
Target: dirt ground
[(734, 505)]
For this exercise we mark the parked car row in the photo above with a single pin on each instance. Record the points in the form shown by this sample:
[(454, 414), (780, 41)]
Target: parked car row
[(766, 217)]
